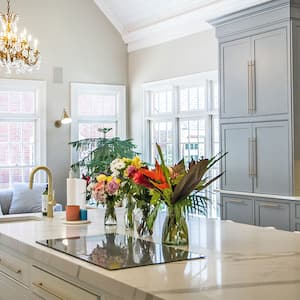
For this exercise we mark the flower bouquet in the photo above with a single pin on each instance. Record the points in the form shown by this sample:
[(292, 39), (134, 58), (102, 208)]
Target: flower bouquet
[(124, 168), (172, 186), (106, 191)]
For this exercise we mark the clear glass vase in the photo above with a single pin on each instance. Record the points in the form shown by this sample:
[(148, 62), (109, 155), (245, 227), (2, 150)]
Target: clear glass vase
[(175, 230), (110, 218), (142, 226), (129, 215)]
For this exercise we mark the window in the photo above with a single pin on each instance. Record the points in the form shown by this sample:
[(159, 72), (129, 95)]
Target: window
[(95, 106), (22, 129), (181, 116)]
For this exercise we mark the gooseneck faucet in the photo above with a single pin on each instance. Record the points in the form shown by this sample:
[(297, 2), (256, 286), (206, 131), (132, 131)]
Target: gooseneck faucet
[(51, 201)]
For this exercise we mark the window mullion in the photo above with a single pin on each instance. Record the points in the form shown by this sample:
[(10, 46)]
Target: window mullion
[(176, 121)]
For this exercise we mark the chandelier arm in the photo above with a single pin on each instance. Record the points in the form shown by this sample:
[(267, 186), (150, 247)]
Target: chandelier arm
[(8, 7)]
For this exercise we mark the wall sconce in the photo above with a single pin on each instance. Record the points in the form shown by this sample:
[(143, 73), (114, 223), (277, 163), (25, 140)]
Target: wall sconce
[(65, 119)]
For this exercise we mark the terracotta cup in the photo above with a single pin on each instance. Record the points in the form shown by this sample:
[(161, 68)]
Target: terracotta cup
[(72, 212)]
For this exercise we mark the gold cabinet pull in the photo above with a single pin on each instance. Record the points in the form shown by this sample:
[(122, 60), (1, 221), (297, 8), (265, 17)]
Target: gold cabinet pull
[(253, 87), (237, 201), (249, 100), (271, 205), (9, 266), (41, 286)]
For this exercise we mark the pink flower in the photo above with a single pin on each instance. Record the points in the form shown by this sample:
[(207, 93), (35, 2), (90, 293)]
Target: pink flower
[(112, 187), (131, 170), (99, 186)]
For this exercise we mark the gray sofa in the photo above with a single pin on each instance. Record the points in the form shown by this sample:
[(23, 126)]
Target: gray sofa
[(6, 196)]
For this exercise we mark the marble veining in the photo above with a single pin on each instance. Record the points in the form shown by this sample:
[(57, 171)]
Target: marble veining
[(242, 261)]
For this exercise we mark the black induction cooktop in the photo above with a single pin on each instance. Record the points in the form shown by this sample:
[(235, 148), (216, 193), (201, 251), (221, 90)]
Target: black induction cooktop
[(114, 251)]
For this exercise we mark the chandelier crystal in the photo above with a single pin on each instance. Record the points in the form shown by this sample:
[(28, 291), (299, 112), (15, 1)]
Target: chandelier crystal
[(17, 51)]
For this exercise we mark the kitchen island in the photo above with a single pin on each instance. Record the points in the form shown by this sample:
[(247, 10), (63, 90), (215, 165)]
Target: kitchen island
[(242, 262)]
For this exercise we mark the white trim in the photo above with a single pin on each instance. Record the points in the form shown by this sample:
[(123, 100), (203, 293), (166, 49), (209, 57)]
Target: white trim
[(175, 26)]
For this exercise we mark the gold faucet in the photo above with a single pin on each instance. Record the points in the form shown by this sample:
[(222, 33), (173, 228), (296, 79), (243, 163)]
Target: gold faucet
[(51, 201)]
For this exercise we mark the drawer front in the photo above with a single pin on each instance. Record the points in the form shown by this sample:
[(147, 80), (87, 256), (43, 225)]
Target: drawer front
[(238, 209), (14, 266), (50, 287), (274, 214), (297, 211), (11, 289)]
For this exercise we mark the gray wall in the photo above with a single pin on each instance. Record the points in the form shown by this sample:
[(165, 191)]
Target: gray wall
[(193, 54), (74, 35)]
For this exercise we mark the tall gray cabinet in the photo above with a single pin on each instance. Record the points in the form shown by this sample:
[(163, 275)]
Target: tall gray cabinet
[(259, 74)]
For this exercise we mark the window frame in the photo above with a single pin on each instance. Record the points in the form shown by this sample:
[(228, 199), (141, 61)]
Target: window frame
[(120, 118), (39, 117), (176, 115)]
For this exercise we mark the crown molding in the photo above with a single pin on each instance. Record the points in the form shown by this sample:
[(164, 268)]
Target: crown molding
[(176, 26)]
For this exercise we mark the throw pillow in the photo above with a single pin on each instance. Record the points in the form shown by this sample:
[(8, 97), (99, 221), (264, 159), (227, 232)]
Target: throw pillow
[(26, 200)]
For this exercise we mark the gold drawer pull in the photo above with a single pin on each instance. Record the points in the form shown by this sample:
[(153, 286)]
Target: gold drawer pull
[(41, 286), (10, 267), (270, 205), (236, 201)]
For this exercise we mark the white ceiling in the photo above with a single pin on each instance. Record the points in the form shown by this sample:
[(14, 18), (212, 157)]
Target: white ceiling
[(144, 23)]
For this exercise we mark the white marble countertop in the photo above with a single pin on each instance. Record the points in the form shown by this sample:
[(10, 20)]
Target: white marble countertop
[(242, 262)]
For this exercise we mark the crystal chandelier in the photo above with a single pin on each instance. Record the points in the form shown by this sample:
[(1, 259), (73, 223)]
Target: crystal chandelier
[(16, 51)]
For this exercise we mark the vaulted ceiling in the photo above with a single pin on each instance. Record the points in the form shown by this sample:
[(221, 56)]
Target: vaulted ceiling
[(144, 23)]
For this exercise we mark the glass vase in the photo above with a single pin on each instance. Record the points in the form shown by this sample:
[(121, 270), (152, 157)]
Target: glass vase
[(129, 218), (175, 230), (142, 226), (110, 218)]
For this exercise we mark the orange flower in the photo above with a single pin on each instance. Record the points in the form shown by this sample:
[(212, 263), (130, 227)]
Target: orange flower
[(156, 176)]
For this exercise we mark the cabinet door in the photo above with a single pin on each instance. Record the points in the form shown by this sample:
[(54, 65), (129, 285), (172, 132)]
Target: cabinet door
[(238, 209), (272, 158), (234, 77), (11, 289), (269, 213), (236, 164), (271, 72)]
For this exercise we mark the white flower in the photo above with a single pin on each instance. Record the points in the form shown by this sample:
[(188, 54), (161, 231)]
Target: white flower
[(116, 165)]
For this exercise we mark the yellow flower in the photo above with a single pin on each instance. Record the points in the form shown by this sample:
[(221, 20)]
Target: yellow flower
[(101, 177), (118, 180), (136, 162), (126, 160), (109, 178)]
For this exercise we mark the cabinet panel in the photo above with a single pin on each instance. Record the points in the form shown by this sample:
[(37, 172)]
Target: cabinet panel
[(51, 287), (234, 92), (272, 158), (235, 141), (271, 72), (10, 289), (276, 214), (238, 209)]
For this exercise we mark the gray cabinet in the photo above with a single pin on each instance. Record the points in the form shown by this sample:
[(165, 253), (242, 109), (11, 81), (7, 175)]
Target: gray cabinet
[(238, 209), (271, 213), (258, 157), (254, 75), (271, 158), (234, 88), (271, 72), (235, 141)]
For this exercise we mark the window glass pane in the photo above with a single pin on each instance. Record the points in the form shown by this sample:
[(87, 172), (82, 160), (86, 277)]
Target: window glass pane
[(191, 99), (183, 99), (192, 139), (97, 104), (161, 102), (17, 102), (161, 133), (17, 143), (91, 129), (215, 98)]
